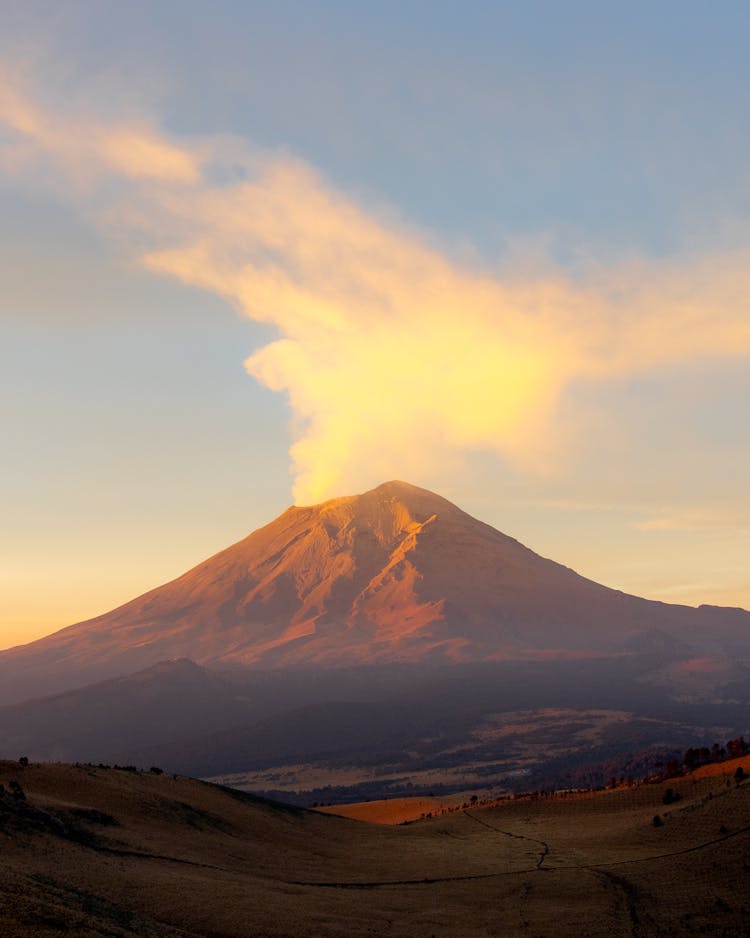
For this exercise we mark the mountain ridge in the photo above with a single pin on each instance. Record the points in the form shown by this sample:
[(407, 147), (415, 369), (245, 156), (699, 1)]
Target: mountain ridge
[(397, 574)]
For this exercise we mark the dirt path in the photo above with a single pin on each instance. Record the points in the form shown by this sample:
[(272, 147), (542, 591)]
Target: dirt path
[(541, 843), (626, 888)]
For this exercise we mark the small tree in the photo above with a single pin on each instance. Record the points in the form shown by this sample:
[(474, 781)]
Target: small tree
[(737, 747), (673, 768)]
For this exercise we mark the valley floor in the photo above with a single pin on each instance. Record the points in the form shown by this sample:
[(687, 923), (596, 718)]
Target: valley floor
[(97, 851)]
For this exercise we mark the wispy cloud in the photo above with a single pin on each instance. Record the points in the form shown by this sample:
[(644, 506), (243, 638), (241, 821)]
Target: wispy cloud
[(392, 355), (692, 519), (662, 524), (82, 148)]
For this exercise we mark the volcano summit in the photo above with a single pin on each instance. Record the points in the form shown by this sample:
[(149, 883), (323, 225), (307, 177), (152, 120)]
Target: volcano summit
[(396, 575)]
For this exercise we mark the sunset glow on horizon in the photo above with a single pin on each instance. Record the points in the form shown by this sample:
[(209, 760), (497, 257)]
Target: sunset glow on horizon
[(574, 372)]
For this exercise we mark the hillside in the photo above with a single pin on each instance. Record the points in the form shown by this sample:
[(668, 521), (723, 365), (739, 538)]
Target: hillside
[(368, 733), (396, 575), (109, 852)]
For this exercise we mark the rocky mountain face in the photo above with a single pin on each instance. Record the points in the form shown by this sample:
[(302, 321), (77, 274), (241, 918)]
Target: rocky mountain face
[(396, 575)]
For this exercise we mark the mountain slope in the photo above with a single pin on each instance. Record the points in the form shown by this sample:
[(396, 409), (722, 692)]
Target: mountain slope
[(97, 852), (397, 574), (139, 716), (108, 721)]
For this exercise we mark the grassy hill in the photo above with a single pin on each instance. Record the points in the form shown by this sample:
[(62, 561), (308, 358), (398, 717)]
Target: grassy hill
[(98, 851)]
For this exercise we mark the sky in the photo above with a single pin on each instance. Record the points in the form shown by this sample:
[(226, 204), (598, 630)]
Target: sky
[(260, 254)]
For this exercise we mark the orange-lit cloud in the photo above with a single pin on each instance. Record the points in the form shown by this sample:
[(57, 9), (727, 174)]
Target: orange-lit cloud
[(393, 356), (728, 518), (83, 148)]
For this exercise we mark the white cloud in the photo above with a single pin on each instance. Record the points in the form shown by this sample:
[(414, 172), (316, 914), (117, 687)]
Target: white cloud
[(393, 356)]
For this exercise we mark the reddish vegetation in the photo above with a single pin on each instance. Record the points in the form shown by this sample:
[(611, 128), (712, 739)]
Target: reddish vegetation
[(404, 810), (391, 810)]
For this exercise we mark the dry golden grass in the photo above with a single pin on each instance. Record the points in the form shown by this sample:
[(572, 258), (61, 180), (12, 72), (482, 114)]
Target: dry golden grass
[(391, 810), (723, 769), (105, 852)]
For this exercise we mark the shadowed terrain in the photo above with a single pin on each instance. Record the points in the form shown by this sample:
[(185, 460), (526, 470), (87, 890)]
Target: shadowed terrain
[(397, 575), (111, 852), (379, 644), (350, 734)]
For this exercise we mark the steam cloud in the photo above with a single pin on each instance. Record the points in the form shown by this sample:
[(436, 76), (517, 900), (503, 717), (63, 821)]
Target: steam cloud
[(392, 355)]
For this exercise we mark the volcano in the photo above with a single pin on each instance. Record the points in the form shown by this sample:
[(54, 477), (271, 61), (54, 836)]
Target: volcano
[(395, 575)]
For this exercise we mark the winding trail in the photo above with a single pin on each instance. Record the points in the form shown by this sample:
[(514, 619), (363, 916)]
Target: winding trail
[(599, 869), (629, 895), (540, 843)]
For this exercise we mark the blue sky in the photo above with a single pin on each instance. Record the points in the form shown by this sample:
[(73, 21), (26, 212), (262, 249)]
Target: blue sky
[(503, 147)]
